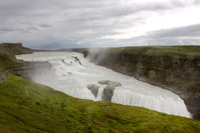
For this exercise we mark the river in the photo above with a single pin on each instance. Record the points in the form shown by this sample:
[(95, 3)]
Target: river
[(70, 76)]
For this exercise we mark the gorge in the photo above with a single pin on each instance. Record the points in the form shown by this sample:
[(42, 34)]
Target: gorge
[(71, 73)]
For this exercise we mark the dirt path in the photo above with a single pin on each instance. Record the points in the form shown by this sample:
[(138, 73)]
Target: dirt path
[(5, 75)]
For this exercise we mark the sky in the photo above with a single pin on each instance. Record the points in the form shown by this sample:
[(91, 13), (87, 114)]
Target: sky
[(57, 24)]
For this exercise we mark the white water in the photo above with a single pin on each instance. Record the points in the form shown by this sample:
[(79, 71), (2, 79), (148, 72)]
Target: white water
[(69, 76)]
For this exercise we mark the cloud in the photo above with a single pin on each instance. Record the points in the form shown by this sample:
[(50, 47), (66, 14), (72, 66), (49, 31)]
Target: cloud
[(33, 28), (186, 31), (45, 25), (6, 29), (186, 35), (105, 23), (196, 2), (22, 30)]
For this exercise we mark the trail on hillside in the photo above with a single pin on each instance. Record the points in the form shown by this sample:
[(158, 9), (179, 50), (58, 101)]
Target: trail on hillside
[(5, 75)]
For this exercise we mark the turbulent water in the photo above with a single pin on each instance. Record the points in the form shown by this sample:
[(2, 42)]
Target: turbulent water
[(70, 76)]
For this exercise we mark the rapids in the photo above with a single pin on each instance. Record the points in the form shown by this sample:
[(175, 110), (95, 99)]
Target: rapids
[(69, 76)]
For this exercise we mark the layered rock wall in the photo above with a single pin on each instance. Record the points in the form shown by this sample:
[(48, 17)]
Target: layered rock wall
[(179, 74)]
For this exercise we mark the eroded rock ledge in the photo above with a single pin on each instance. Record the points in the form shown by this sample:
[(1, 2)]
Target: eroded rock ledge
[(108, 90), (94, 89)]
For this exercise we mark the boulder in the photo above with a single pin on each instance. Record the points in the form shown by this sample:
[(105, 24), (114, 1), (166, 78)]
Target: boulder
[(94, 89), (77, 59), (104, 82), (108, 90)]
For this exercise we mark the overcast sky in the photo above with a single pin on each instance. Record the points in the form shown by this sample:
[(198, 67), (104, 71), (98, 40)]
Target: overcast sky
[(55, 24)]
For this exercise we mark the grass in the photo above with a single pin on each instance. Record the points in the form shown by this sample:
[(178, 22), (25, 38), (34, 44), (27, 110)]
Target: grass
[(7, 56), (7, 62), (30, 107), (180, 51)]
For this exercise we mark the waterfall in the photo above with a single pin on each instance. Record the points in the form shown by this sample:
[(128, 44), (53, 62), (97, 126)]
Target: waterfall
[(166, 102), (72, 77)]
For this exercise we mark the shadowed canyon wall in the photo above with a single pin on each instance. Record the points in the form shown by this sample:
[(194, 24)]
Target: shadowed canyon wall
[(177, 70)]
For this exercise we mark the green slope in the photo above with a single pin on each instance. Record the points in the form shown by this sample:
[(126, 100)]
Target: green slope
[(29, 107), (7, 62)]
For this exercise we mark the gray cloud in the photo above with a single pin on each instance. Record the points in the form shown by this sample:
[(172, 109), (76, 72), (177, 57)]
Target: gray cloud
[(186, 31), (6, 29), (186, 35), (45, 25), (56, 24), (33, 28), (196, 2)]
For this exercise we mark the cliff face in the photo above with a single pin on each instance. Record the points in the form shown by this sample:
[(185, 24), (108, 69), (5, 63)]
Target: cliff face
[(12, 49), (174, 71), (8, 52)]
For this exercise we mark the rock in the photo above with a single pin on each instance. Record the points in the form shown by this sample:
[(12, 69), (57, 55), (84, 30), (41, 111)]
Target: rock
[(108, 90), (114, 84), (94, 89), (69, 73), (77, 59), (86, 53), (104, 82)]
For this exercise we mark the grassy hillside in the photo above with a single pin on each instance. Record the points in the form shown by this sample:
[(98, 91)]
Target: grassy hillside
[(172, 51), (7, 62), (29, 107), (26, 106)]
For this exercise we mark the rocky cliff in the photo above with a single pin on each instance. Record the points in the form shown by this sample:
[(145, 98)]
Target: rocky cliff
[(14, 49), (8, 52), (173, 68)]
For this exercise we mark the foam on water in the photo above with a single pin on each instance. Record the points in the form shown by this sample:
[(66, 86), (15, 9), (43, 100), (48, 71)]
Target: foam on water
[(68, 76)]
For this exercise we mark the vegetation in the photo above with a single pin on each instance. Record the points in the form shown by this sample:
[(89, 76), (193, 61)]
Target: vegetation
[(7, 55), (7, 62), (182, 51), (26, 106), (29, 107)]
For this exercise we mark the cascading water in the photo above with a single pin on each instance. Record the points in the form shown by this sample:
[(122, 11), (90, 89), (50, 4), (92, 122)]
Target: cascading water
[(72, 77)]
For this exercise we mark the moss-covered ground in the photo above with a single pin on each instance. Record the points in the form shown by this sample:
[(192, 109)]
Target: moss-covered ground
[(182, 51), (7, 62), (7, 56), (26, 106)]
